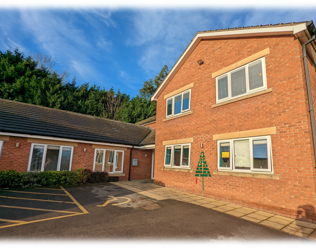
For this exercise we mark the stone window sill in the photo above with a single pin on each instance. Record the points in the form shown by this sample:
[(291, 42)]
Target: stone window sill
[(251, 175), (242, 98), (188, 170), (177, 116)]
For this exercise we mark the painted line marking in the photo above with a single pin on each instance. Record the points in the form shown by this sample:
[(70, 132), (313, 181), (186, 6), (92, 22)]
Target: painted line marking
[(39, 209), (29, 199), (115, 199), (75, 201), (34, 221), (13, 221), (24, 192), (55, 189)]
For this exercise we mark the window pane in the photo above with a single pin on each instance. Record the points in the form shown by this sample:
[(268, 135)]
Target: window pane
[(118, 162), (260, 154), (1, 146), (238, 80), (222, 88), (51, 158), (185, 156), (168, 156), (177, 104), (169, 108), (186, 99), (37, 158), (98, 160), (109, 160), (242, 154), (255, 76), (177, 155), (65, 159), (224, 155)]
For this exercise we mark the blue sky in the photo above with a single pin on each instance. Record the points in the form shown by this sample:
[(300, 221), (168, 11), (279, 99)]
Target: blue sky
[(123, 47)]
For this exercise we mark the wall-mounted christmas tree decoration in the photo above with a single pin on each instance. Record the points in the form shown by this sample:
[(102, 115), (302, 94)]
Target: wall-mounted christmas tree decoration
[(202, 170)]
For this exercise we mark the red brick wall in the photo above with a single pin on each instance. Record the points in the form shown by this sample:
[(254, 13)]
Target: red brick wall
[(143, 170), (13, 158), (285, 108)]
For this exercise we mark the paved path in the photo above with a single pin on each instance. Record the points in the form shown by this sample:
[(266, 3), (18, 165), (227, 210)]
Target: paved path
[(282, 223)]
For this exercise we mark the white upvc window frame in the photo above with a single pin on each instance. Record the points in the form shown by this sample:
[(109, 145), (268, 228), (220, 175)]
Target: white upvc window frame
[(114, 160), (173, 103), (248, 91), (172, 156), (44, 155), (1, 147), (232, 154)]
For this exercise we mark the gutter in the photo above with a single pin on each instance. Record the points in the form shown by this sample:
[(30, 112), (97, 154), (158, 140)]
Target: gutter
[(309, 93)]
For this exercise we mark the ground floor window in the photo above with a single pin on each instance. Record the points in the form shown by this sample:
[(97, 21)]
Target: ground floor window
[(252, 154), (50, 158), (108, 160), (177, 155)]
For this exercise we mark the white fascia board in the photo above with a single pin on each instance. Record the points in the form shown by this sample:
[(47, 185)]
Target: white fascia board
[(63, 139), (151, 146), (263, 31)]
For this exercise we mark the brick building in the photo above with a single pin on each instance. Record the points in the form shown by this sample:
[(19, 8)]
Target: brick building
[(38, 138), (240, 95)]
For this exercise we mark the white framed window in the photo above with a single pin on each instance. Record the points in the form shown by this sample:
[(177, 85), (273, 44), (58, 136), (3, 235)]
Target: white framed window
[(1, 146), (45, 157), (108, 160), (178, 156), (178, 104), (252, 154), (245, 80)]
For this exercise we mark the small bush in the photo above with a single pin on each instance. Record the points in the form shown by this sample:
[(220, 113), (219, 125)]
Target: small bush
[(83, 175), (30, 179), (96, 177), (10, 178)]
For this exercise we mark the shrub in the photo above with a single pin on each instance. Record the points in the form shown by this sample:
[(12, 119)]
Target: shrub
[(10, 178), (96, 177), (83, 175), (30, 178)]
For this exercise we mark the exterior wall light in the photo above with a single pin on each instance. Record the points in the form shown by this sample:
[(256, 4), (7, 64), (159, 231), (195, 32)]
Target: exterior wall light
[(17, 145), (84, 150), (200, 62)]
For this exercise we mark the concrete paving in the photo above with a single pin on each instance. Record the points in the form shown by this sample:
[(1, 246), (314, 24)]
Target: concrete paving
[(282, 223), (132, 210)]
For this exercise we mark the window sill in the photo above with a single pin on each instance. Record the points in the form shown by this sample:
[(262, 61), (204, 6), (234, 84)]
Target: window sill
[(252, 175), (180, 115), (114, 175), (189, 170), (242, 98)]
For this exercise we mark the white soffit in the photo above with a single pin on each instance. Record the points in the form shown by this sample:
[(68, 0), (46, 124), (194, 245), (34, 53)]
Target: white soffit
[(247, 32)]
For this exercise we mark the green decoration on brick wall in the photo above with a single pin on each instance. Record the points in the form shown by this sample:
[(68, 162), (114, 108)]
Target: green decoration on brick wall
[(202, 170)]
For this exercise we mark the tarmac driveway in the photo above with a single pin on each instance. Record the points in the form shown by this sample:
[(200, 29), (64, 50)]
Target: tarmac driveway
[(107, 211)]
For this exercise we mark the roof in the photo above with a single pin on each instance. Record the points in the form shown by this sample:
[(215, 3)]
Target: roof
[(18, 117), (148, 120), (297, 28), (150, 138)]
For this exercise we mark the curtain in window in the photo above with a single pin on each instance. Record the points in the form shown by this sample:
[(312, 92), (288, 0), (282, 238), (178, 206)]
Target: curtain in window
[(177, 104), (222, 88), (255, 76), (238, 82), (177, 156), (109, 159), (98, 160), (119, 161)]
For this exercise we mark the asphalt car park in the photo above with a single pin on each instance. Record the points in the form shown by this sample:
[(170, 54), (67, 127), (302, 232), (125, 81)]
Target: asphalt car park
[(107, 211)]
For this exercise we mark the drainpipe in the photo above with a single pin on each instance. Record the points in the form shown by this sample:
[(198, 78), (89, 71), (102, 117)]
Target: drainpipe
[(309, 93), (130, 164)]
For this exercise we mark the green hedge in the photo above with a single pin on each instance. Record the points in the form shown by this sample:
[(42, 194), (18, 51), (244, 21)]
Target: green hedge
[(13, 179)]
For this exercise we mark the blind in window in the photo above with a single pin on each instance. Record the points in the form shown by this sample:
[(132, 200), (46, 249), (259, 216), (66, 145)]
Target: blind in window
[(177, 104), (186, 97), (222, 88), (238, 80), (255, 75)]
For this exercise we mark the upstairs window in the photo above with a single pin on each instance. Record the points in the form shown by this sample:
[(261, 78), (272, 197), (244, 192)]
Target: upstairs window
[(178, 104), (244, 80)]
